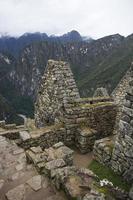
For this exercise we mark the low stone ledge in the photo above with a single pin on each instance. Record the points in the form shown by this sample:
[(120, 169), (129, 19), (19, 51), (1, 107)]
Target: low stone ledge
[(10, 126), (46, 138), (12, 134), (47, 160)]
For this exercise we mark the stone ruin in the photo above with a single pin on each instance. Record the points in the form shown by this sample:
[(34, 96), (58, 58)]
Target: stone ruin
[(117, 151), (57, 85), (122, 155), (92, 119), (63, 118), (83, 119)]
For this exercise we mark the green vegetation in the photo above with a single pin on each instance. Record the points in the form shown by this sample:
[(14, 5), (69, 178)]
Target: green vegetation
[(108, 72), (23, 105), (20, 104), (8, 113), (104, 172)]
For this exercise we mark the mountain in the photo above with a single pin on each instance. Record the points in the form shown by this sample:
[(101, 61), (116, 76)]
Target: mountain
[(83, 57), (72, 36), (11, 100), (15, 44), (7, 111), (108, 72), (95, 63)]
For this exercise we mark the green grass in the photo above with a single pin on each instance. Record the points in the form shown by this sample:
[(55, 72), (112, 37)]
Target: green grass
[(104, 172)]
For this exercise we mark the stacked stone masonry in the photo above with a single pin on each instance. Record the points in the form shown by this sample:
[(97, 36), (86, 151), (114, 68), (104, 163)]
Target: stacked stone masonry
[(122, 158), (117, 151), (94, 119), (96, 116), (57, 84), (67, 118), (119, 92)]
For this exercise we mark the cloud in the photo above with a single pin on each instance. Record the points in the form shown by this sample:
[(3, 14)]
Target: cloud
[(96, 18)]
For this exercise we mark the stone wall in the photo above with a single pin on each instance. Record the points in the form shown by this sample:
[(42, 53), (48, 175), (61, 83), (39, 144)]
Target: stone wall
[(94, 118), (122, 158), (102, 151), (57, 84), (85, 120), (58, 101), (119, 92), (46, 138), (96, 113)]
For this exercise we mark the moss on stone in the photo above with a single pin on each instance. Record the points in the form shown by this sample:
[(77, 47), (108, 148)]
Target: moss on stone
[(104, 172), (87, 105)]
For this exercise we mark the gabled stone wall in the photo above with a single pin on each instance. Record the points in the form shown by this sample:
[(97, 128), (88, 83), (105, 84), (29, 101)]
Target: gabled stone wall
[(120, 91), (57, 85), (122, 158)]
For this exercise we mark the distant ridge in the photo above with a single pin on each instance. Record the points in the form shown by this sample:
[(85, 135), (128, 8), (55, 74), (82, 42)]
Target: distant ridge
[(14, 45)]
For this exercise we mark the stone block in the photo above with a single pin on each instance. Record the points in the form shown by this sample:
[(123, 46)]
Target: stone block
[(35, 182), (24, 135), (54, 164)]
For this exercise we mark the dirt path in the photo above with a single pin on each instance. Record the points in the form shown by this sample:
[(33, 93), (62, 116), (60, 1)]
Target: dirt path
[(82, 160)]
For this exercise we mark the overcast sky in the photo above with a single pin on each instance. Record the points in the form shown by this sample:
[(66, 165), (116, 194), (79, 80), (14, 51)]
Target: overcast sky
[(96, 18)]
